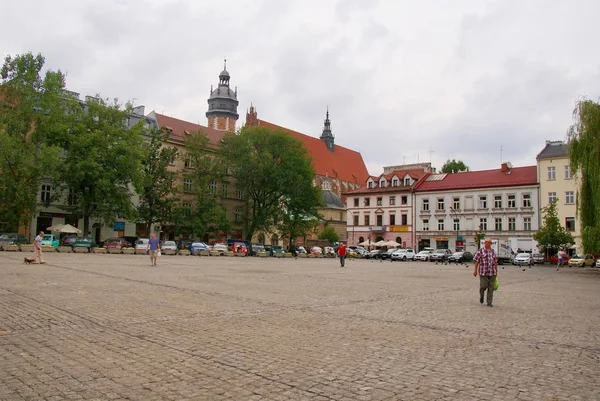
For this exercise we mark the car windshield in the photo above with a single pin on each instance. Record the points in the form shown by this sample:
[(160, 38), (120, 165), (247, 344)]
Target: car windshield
[(47, 236), (537, 255), (457, 254), (523, 255), (170, 243), (579, 257), (142, 241)]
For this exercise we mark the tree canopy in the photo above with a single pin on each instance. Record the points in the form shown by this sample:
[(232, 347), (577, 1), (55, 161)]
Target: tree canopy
[(584, 152), (275, 173), (329, 234), (552, 235), (454, 166)]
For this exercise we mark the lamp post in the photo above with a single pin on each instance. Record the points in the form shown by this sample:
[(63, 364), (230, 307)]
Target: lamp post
[(454, 212), (352, 222)]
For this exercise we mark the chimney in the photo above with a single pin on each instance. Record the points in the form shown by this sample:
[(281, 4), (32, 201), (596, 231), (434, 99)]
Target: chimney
[(505, 167)]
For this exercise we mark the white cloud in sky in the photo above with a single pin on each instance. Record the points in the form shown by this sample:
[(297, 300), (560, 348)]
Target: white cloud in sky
[(462, 78)]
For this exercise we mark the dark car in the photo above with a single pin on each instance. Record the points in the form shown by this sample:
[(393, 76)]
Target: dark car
[(12, 239), (387, 254), (132, 240), (117, 243), (273, 249), (81, 242), (257, 248), (460, 257), (440, 255), (185, 243)]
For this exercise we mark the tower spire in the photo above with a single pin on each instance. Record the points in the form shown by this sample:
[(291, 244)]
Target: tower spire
[(327, 135)]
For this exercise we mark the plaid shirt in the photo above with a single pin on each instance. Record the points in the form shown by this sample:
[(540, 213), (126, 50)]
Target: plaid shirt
[(488, 263)]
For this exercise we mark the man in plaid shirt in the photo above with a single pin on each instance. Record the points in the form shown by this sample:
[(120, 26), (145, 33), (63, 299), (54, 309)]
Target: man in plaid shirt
[(486, 265)]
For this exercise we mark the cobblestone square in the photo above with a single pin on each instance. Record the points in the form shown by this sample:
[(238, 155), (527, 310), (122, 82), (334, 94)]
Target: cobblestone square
[(111, 327)]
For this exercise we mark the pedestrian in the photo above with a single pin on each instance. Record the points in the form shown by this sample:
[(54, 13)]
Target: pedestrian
[(486, 265), (561, 259), (37, 248), (153, 246), (341, 251)]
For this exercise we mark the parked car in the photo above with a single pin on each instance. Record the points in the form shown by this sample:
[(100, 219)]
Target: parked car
[(50, 240), (423, 255), (69, 240), (132, 240), (538, 258), (116, 242), (316, 250), (197, 246), (12, 239), (256, 248), (169, 246), (359, 250), (403, 254), (220, 247), (184, 243), (273, 249), (460, 257), (239, 247), (598, 262), (142, 244), (440, 255), (582, 260), (554, 259), (301, 249), (82, 242), (523, 259), (372, 254)]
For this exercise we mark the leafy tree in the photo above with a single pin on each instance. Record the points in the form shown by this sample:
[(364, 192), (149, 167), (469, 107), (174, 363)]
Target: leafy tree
[(552, 235), (158, 200), (204, 172), (103, 163), (275, 173), (584, 152), (33, 109), (454, 166), (329, 234)]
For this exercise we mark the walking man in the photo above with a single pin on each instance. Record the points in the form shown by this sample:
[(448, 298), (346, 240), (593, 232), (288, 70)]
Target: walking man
[(561, 259), (153, 246), (37, 248), (486, 265), (342, 253)]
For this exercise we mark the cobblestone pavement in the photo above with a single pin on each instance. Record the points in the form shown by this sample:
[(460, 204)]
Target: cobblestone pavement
[(111, 327)]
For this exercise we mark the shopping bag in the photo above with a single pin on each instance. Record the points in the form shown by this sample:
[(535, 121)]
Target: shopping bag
[(496, 283), (158, 253)]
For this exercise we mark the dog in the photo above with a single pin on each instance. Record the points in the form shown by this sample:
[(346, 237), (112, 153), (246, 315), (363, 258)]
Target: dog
[(28, 261)]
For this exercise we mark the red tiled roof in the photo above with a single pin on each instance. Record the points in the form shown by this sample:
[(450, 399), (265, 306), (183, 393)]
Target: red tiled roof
[(519, 176), (343, 163), (180, 129), (415, 174)]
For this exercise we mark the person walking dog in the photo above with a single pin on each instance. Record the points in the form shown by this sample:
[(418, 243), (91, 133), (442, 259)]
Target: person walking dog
[(37, 248), (486, 265), (342, 253)]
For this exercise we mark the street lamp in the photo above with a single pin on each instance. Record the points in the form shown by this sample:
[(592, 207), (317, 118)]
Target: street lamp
[(454, 212)]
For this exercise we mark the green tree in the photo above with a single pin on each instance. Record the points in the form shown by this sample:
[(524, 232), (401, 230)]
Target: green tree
[(158, 200), (552, 235), (274, 172), (33, 109), (454, 166), (329, 234), (584, 152), (205, 172), (103, 162)]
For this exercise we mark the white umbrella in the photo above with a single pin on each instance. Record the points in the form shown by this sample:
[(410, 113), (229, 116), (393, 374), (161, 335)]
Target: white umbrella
[(392, 243), (64, 228), (54, 228), (365, 243), (380, 243)]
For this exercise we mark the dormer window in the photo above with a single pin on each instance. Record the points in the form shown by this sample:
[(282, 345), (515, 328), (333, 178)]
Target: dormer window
[(382, 183), (407, 181), (370, 184), (395, 182)]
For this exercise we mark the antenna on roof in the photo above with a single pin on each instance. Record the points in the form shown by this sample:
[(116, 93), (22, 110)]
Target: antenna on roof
[(431, 151), (501, 149)]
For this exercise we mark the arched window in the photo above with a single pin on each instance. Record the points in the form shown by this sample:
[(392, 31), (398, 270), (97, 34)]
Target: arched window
[(261, 239), (274, 240)]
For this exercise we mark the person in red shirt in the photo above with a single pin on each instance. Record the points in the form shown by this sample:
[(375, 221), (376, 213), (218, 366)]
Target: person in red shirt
[(342, 253)]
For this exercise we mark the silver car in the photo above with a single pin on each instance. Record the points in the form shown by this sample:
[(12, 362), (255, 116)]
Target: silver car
[(522, 259), (423, 255)]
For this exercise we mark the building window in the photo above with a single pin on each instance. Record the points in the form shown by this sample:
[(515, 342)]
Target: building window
[(72, 198), (212, 187), (356, 220), (570, 223), (498, 201), (367, 201), (392, 219), (569, 197), (187, 185), (392, 200), (404, 200), (407, 181), (512, 201), (483, 202), (370, 184), (440, 204), (425, 204), (367, 220), (356, 201), (483, 224), (456, 224), (379, 219), (498, 224), (512, 224), (188, 162), (425, 224), (404, 219), (395, 182), (527, 223), (224, 189), (172, 161), (237, 214), (187, 209), (440, 224), (456, 203), (551, 173), (382, 183), (526, 200), (551, 197), (239, 194), (568, 172), (379, 201), (45, 194)]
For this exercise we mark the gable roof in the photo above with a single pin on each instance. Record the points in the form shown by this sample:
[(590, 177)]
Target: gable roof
[(554, 149), (416, 174), (517, 176), (179, 129), (343, 163)]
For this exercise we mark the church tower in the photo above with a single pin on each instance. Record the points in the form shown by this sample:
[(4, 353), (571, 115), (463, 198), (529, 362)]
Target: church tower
[(222, 104), (327, 136)]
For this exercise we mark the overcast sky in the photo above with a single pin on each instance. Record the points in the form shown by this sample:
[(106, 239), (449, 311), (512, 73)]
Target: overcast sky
[(462, 78)]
